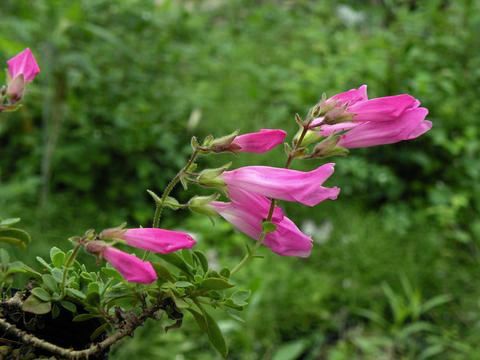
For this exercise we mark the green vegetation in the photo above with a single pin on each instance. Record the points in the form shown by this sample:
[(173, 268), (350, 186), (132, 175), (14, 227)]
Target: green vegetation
[(125, 84)]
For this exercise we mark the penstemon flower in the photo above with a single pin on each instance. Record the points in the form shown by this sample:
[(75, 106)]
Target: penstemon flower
[(410, 125), (129, 266), (247, 212), (258, 142), (152, 239), (23, 64), (283, 184), (352, 121)]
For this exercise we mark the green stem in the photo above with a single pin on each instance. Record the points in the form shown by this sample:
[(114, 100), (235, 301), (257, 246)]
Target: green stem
[(70, 260), (251, 254), (158, 211)]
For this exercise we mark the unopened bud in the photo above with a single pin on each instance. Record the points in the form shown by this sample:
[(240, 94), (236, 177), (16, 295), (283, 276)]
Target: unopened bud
[(224, 143), (327, 148), (16, 88), (201, 204), (212, 177), (95, 247), (310, 137), (113, 233)]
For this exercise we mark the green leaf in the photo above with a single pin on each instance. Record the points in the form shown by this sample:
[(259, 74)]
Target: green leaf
[(200, 319), (4, 257), (202, 260), (8, 222), (19, 267), (69, 306), (207, 324), (240, 297), (76, 293), (177, 261), (216, 284), (93, 298), (225, 273), (188, 257), (15, 236), (183, 284), (268, 227), (57, 275), (57, 256), (85, 317), (215, 335), (291, 351), (162, 272), (50, 282), (99, 331), (36, 306), (55, 311), (44, 263), (41, 293)]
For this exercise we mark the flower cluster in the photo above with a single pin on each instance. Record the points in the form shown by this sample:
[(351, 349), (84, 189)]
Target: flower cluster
[(346, 120), (334, 125)]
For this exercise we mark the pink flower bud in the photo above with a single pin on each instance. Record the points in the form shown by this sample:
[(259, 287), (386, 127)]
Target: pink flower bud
[(258, 142), (24, 64), (152, 239), (247, 213), (283, 184), (158, 240), (129, 266)]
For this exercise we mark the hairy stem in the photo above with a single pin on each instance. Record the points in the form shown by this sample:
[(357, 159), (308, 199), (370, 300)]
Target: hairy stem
[(158, 211)]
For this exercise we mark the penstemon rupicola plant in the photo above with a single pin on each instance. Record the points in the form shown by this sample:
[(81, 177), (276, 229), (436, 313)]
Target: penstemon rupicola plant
[(172, 278)]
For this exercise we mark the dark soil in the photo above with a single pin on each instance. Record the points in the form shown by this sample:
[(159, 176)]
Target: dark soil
[(61, 331)]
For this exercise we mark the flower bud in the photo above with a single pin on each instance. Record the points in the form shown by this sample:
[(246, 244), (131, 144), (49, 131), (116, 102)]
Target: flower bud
[(327, 148), (212, 177), (15, 88), (201, 204), (224, 143), (96, 247), (309, 138)]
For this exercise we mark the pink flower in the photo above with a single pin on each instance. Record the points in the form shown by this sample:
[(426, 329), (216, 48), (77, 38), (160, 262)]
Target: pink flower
[(410, 125), (350, 97), (361, 122), (258, 142), (152, 239), (354, 106), (284, 184), (158, 240), (129, 266), (247, 211), (24, 64)]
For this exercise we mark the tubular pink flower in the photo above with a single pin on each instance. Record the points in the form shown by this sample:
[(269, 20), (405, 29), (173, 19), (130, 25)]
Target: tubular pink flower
[(260, 141), (24, 64), (359, 108), (284, 184), (386, 108), (129, 266), (158, 240), (262, 204), (286, 240), (410, 125)]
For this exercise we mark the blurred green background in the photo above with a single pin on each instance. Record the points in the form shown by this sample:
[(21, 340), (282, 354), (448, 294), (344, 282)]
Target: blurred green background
[(125, 84)]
